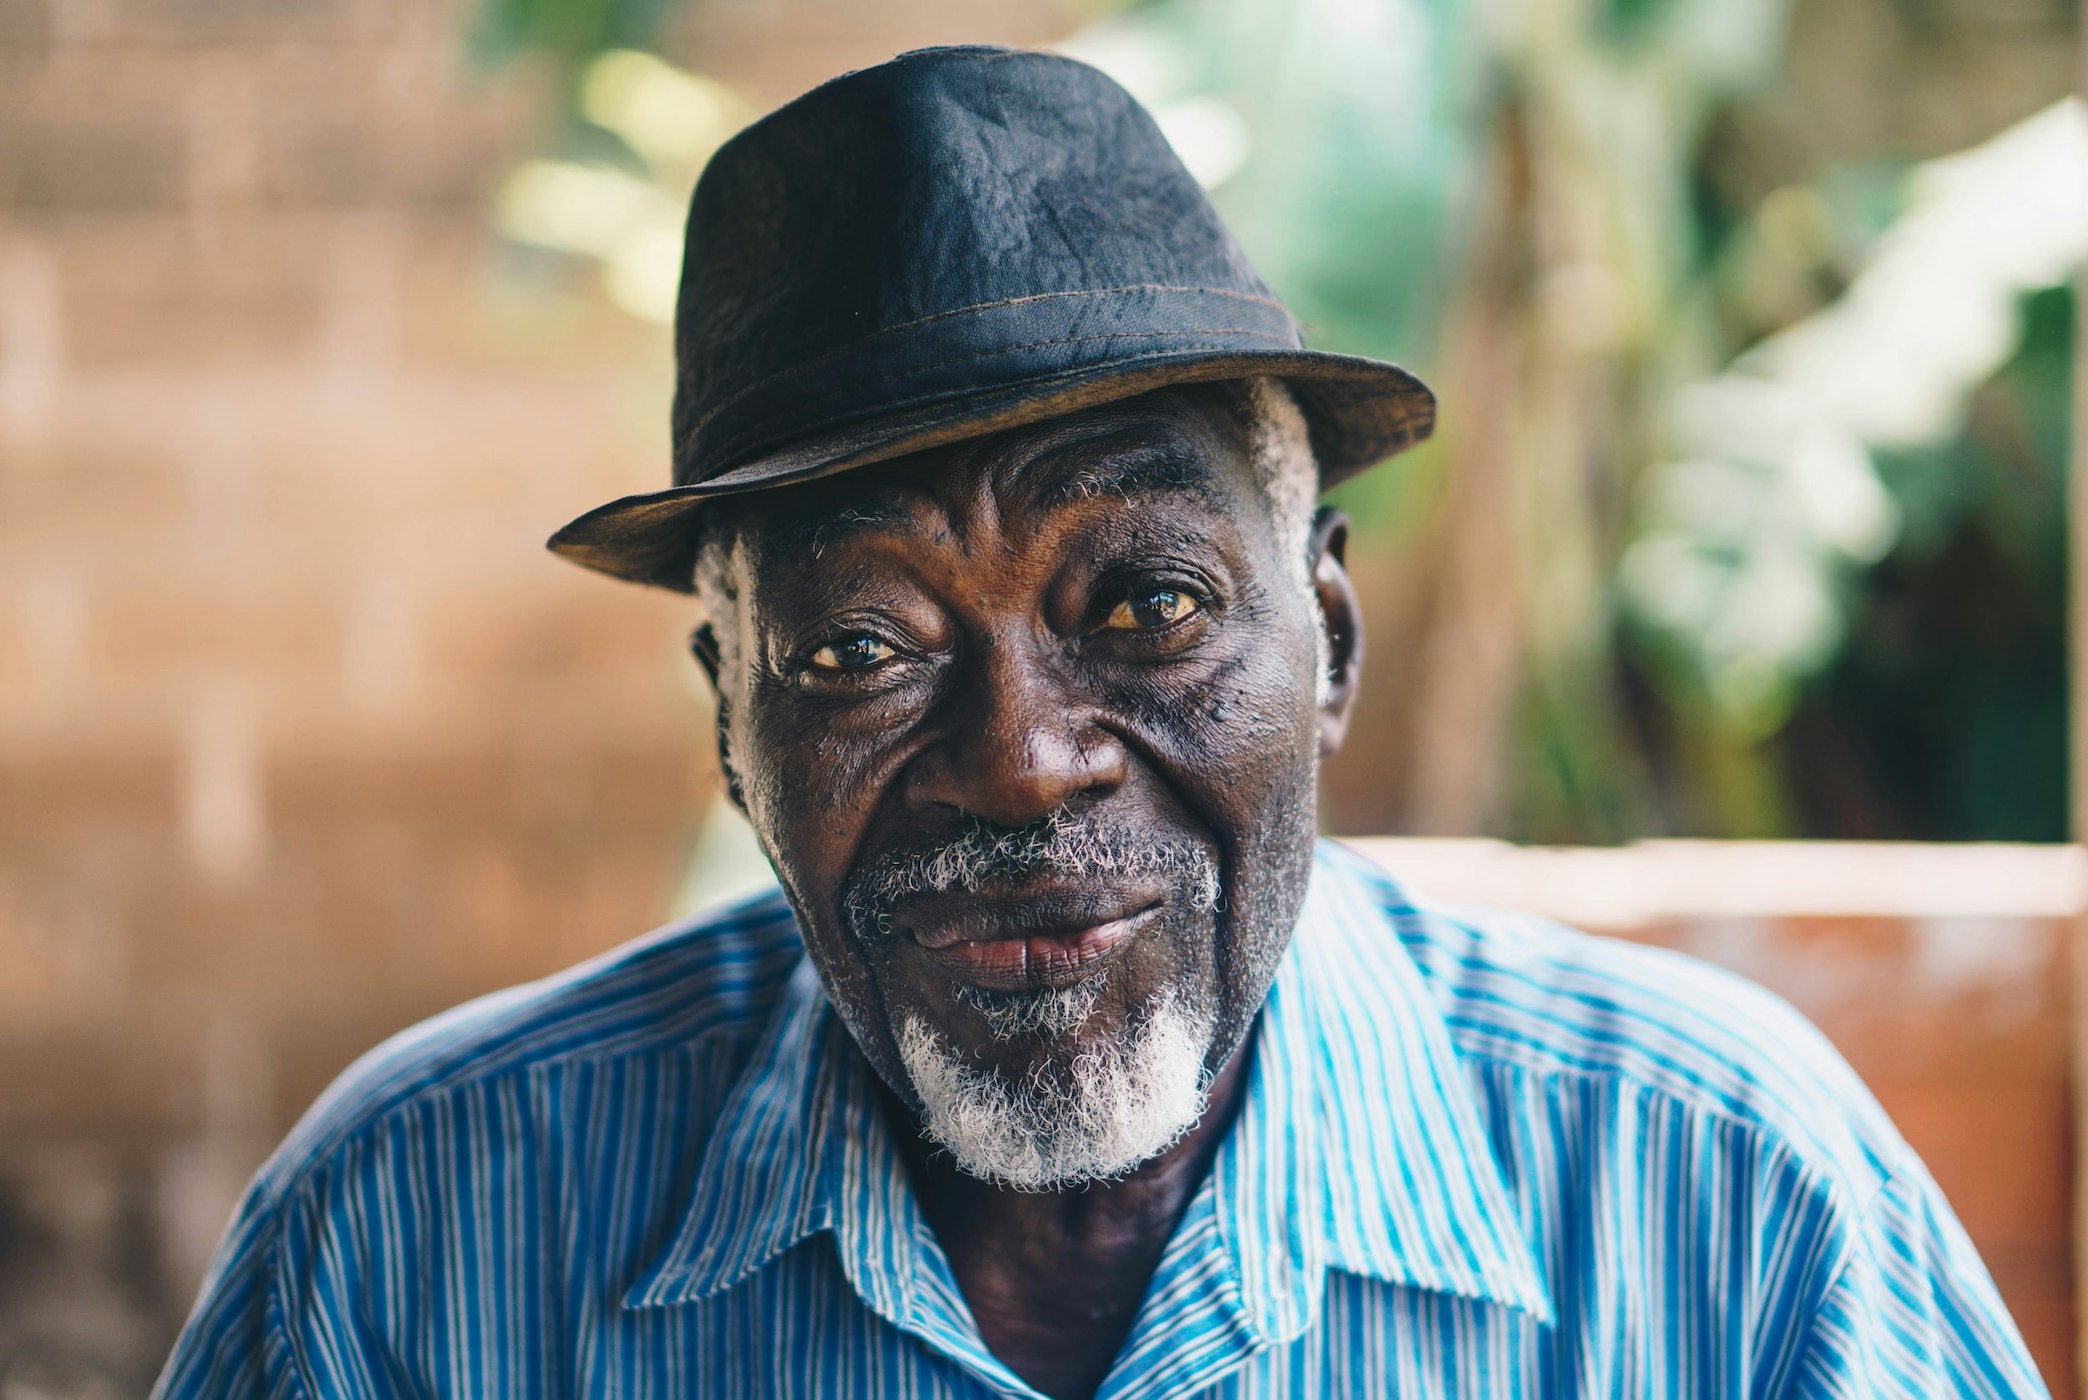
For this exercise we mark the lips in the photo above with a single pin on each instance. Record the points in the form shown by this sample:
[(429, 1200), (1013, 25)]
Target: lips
[(1049, 940)]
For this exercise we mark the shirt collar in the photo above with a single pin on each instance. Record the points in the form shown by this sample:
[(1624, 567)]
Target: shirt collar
[(766, 1179), (802, 1147), (1413, 1193), (1358, 1146)]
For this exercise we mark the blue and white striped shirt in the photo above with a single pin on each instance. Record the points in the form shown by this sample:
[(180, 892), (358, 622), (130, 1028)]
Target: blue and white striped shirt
[(1476, 1155)]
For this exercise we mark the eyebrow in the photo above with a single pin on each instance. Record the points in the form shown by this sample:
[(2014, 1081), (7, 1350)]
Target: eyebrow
[(817, 536), (1146, 469), (1150, 468)]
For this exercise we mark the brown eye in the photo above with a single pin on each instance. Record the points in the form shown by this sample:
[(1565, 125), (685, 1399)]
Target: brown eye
[(853, 653), (1149, 611)]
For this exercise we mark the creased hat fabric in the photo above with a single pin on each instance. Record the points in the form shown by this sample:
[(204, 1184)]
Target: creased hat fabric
[(958, 241)]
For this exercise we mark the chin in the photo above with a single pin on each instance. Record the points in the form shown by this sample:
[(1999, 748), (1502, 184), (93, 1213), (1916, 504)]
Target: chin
[(1091, 1107)]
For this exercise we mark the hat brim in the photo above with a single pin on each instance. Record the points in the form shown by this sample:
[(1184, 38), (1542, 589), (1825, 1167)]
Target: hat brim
[(1359, 411)]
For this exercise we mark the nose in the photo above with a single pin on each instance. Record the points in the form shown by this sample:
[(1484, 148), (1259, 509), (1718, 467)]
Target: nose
[(1019, 743)]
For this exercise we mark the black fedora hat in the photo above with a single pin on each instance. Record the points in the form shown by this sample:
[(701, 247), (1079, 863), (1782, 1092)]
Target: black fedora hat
[(958, 241)]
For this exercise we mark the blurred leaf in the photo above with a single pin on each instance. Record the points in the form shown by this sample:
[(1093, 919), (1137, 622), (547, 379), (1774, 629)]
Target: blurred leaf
[(570, 30), (1742, 578)]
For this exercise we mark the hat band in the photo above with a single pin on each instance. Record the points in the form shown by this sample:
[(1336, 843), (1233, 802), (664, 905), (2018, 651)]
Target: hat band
[(993, 345)]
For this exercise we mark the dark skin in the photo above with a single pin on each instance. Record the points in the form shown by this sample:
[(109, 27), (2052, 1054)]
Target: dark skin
[(1095, 617)]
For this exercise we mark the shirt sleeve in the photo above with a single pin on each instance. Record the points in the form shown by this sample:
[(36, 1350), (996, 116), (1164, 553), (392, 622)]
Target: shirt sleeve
[(233, 1346), (1913, 1312)]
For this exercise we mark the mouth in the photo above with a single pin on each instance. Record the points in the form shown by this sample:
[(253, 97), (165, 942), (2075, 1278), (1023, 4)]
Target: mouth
[(1029, 944)]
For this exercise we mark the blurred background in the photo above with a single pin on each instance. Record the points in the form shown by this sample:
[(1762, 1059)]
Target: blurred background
[(1754, 323)]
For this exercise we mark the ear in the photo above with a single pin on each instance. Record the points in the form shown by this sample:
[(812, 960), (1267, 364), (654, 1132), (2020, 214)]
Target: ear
[(703, 643), (1342, 616)]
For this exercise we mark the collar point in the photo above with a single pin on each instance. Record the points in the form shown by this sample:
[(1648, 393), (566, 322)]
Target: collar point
[(670, 1287)]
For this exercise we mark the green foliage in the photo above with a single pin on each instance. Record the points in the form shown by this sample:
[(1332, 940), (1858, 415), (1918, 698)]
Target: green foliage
[(1956, 665), (568, 31), (1600, 227)]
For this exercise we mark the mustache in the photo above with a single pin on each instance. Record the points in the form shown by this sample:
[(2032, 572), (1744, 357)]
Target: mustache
[(982, 854)]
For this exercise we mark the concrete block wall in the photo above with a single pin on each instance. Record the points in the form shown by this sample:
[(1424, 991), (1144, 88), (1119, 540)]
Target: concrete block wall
[(302, 736)]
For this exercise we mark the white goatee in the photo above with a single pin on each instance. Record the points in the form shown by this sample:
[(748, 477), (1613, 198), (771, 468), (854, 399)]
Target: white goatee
[(1110, 1108)]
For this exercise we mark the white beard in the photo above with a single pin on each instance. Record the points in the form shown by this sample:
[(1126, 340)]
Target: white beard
[(1047, 1014), (1111, 1108)]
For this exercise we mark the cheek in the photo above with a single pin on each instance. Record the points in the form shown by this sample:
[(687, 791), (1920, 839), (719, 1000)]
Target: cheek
[(1239, 741), (810, 794), (1239, 718), (800, 769), (797, 783)]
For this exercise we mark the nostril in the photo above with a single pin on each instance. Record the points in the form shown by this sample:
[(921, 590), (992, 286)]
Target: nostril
[(920, 790), (1014, 778), (1102, 758)]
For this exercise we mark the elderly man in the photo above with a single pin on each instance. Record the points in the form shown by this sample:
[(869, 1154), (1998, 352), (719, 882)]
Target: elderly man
[(1064, 1061)]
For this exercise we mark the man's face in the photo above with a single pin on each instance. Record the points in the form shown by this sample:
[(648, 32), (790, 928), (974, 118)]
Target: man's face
[(1029, 729)]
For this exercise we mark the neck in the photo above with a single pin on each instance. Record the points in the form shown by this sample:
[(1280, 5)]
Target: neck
[(1054, 1278)]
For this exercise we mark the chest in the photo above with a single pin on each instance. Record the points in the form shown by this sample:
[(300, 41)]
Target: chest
[(1057, 1324), (800, 1328)]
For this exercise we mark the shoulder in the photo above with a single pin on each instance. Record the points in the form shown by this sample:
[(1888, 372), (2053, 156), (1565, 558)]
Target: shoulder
[(714, 976), (1534, 998)]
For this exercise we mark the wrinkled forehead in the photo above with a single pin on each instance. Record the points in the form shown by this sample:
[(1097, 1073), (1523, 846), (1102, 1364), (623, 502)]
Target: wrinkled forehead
[(1186, 451)]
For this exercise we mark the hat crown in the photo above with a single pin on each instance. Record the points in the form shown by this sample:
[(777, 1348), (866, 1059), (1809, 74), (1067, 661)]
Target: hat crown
[(936, 195), (952, 244)]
